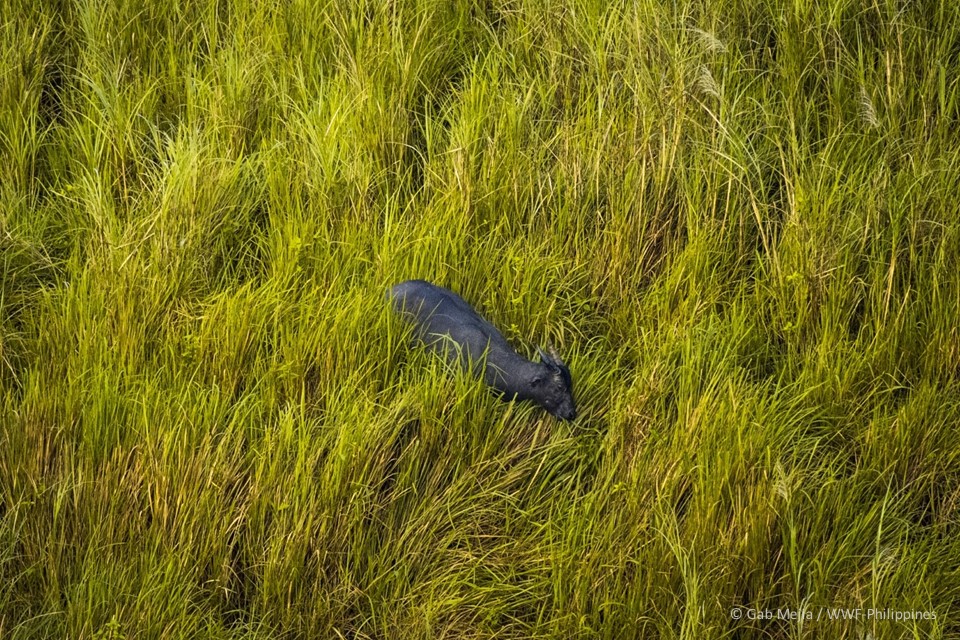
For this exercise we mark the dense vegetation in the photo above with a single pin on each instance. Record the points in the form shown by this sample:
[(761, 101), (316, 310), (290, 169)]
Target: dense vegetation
[(737, 221)]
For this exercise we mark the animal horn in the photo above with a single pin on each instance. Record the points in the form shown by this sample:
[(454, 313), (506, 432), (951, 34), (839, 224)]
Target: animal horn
[(555, 356), (544, 357)]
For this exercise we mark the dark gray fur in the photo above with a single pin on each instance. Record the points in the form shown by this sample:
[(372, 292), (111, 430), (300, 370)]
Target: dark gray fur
[(449, 326)]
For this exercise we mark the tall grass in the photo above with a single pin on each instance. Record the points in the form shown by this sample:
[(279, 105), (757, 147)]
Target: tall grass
[(737, 221)]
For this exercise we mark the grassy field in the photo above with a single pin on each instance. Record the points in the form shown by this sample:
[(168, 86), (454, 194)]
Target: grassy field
[(737, 220)]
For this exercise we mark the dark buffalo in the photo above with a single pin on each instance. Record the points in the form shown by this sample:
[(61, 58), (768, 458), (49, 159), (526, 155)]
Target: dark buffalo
[(449, 326)]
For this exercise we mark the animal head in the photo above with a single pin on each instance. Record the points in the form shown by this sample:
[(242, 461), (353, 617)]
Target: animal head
[(553, 387)]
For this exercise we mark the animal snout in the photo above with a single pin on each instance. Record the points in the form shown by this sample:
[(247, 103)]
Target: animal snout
[(567, 413)]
